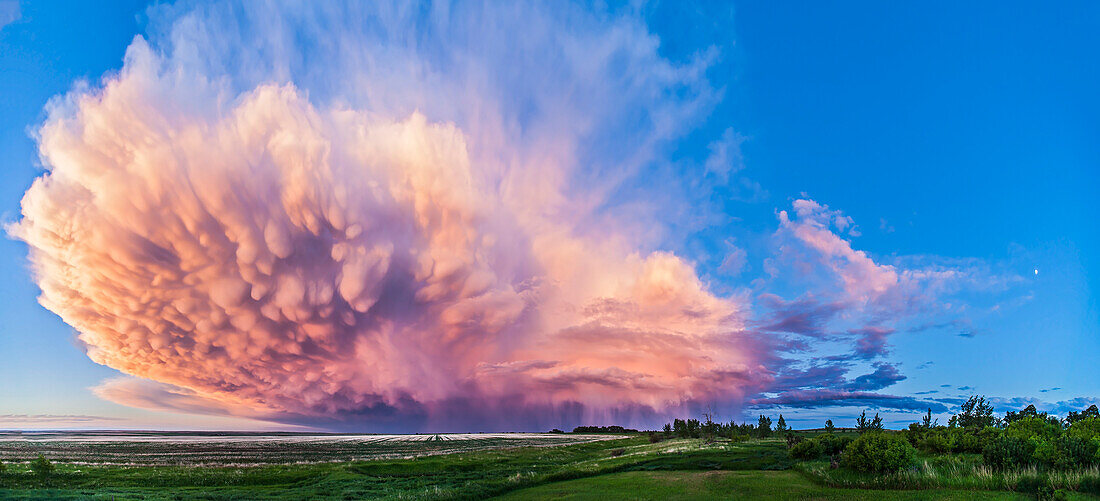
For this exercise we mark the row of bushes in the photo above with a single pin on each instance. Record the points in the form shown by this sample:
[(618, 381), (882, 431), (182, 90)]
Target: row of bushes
[(693, 428), (39, 466), (1028, 442)]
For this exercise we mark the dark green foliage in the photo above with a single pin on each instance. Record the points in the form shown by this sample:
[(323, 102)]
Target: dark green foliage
[(806, 450), (690, 428), (603, 429), (2, 467), (879, 452), (832, 445), (42, 467), (1091, 412), (864, 425), (976, 413), (826, 444), (1085, 427), (764, 427), (927, 422), (781, 425), (1009, 451), (829, 428)]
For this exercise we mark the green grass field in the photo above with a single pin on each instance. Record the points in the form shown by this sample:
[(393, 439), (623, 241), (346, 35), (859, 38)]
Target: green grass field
[(621, 468), (724, 485)]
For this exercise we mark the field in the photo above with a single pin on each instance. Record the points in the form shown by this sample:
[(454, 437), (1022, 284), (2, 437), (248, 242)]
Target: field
[(515, 466), (253, 449)]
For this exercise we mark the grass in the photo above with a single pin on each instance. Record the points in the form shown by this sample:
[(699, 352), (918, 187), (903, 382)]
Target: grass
[(723, 485), (620, 468), (470, 475), (956, 471)]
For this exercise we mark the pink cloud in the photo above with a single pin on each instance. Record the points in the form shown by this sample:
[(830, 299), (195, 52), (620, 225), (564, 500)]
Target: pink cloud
[(262, 256)]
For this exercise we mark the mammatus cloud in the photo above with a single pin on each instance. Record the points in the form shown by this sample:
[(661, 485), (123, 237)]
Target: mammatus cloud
[(267, 253), (408, 217)]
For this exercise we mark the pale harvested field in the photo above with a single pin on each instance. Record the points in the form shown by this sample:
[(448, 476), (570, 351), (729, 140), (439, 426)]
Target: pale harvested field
[(192, 449)]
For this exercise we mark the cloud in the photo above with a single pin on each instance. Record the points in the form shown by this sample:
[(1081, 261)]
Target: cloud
[(803, 399), (872, 342), (807, 315), (9, 12), (884, 375), (388, 232), (24, 419), (725, 155)]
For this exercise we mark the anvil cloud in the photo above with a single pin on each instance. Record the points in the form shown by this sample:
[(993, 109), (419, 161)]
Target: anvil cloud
[(390, 217), (259, 253)]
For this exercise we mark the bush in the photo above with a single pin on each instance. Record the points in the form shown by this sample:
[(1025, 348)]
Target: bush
[(878, 452), (654, 437), (1085, 428), (1009, 451), (1033, 427), (807, 450), (832, 445), (936, 441), (42, 466), (738, 437), (3, 467)]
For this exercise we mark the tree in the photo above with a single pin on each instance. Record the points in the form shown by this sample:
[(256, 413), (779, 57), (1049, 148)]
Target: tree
[(42, 466), (976, 413), (1091, 412), (862, 423), (764, 426), (668, 430), (829, 428), (781, 426), (876, 424), (927, 422)]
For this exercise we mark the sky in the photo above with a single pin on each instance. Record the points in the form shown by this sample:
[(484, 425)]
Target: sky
[(475, 217)]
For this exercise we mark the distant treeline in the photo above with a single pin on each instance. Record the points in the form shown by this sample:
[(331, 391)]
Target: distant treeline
[(603, 429)]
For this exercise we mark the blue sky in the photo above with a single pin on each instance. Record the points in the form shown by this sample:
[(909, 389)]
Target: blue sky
[(953, 136)]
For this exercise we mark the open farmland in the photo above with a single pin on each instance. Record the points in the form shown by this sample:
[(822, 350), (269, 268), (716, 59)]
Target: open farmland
[(193, 449)]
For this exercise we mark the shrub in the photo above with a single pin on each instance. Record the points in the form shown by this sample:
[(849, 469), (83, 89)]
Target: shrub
[(654, 437), (878, 452), (1033, 427), (832, 445), (807, 450), (1009, 451), (1085, 428), (42, 466), (617, 452), (935, 441), (738, 437), (3, 467)]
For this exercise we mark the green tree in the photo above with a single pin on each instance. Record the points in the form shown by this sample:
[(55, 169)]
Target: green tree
[(781, 426), (764, 426), (42, 466), (927, 422), (1091, 412), (829, 428), (976, 413), (862, 423)]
